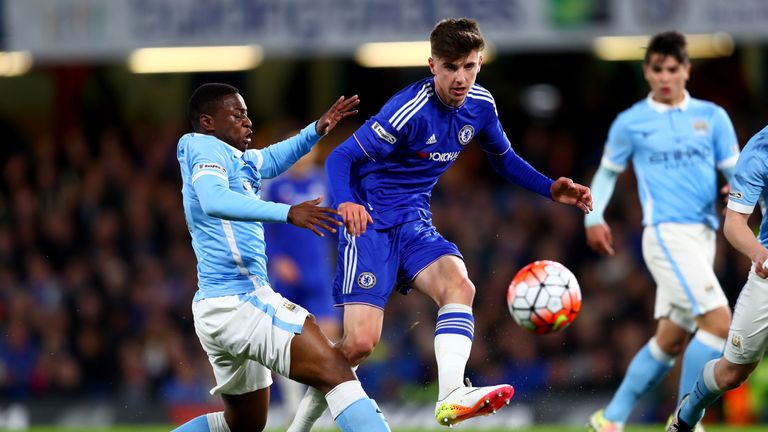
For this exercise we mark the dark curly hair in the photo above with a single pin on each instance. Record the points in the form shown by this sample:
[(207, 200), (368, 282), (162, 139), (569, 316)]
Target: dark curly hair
[(669, 43)]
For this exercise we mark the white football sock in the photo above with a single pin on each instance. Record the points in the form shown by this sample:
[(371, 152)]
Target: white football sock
[(452, 346), (217, 423), (344, 395), (311, 408), (292, 392)]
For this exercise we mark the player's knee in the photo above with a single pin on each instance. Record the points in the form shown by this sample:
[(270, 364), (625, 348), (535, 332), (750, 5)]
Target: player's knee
[(672, 344), (458, 291), (467, 288), (357, 348)]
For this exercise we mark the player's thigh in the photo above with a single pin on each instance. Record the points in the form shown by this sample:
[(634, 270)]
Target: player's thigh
[(248, 411), (445, 281), (315, 361), (680, 258), (433, 265), (366, 268), (748, 337), (716, 322), (246, 336)]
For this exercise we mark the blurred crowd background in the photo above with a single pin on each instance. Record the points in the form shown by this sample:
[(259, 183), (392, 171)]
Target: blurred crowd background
[(97, 272)]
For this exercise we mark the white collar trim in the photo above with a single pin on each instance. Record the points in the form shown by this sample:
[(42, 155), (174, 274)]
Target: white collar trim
[(661, 108)]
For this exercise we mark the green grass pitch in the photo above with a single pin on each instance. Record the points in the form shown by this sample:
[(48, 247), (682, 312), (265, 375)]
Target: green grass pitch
[(542, 428)]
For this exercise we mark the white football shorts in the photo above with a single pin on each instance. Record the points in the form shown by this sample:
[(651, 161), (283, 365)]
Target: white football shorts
[(246, 336), (680, 258), (748, 337)]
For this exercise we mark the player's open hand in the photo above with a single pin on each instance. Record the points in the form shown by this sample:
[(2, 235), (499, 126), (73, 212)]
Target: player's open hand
[(355, 218), (600, 239), (340, 110), (311, 216), (565, 191), (724, 192)]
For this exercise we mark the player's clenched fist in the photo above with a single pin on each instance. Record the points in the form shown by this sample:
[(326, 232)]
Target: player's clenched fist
[(355, 217), (311, 216)]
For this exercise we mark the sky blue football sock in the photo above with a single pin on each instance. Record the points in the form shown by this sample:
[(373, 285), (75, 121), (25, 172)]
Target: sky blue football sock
[(647, 368), (701, 349), (197, 424), (704, 392), (362, 416)]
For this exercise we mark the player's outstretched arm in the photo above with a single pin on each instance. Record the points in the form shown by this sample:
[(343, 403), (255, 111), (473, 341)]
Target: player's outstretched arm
[(565, 191), (340, 110), (311, 216), (355, 218)]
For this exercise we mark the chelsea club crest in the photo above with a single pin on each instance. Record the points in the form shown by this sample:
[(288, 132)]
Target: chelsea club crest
[(465, 134)]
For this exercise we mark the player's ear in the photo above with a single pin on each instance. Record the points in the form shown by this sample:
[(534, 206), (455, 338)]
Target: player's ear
[(432, 65), (647, 71), (206, 123)]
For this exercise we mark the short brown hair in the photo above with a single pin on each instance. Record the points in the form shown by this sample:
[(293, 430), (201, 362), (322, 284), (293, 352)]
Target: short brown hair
[(453, 38), (669, 43)]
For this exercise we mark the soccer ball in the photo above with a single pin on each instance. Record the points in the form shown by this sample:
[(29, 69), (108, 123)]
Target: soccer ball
[(544, 297)]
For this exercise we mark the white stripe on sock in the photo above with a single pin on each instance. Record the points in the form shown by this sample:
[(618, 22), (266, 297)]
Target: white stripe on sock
[(709, 377), (344, 395), (658, 353), (715, 342), (216, 422)]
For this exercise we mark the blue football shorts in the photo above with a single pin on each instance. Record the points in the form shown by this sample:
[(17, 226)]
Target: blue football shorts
[(369, 267)]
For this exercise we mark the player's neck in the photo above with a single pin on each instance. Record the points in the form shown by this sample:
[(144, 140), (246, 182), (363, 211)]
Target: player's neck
[(444, 100)]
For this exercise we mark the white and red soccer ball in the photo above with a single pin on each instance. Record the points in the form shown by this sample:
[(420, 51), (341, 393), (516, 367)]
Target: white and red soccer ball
[(544, 297)]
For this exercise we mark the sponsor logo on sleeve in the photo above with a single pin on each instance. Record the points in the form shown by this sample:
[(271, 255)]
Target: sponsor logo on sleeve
[(210, 166), (736, 195), (382, 133), (465, 134)]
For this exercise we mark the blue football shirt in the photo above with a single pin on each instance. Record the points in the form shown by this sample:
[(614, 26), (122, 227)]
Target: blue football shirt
[(413, 139), (674, 151), (750, 180)]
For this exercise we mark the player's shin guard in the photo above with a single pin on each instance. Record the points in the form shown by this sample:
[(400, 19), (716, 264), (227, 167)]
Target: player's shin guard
[(353, 410), (647, 368), (454, 332), (212, 422), (701, 349), (704, 392), (311, 407)]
